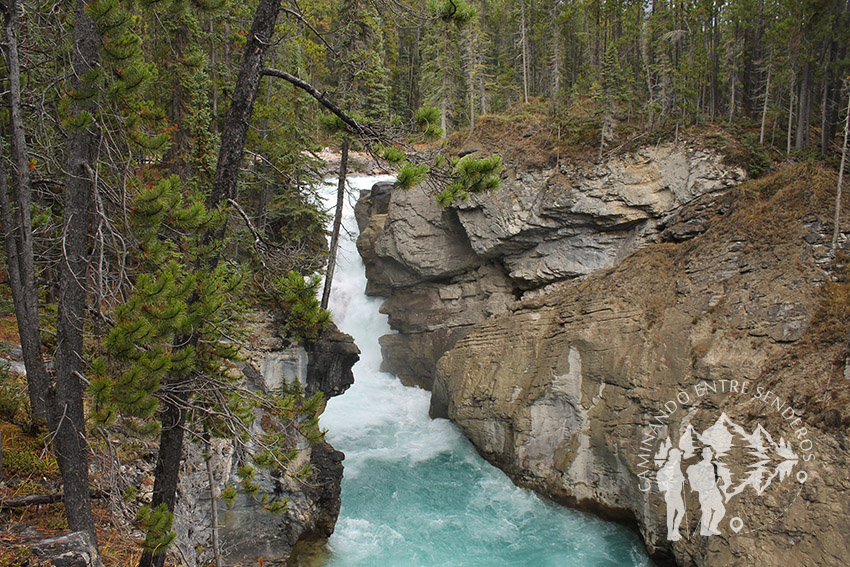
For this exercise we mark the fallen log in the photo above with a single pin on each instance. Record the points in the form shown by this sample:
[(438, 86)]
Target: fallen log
[(39, 499)]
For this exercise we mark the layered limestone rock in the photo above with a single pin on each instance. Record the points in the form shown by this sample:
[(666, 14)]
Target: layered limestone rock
[(443, 270), (726, 347), (247, 531)]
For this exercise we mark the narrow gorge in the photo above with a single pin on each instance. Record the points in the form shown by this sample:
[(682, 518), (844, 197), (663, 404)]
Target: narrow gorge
[(588, 320)]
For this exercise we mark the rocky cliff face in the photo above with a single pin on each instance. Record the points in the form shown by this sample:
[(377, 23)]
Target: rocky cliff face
[(706, 332), (445, 270), (723, 343), (248, 532)]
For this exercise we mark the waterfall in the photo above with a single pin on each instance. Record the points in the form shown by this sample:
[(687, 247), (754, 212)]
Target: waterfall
[(415, 491)]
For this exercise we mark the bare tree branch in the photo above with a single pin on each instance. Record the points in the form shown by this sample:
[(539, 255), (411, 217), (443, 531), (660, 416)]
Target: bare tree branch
[(358, 128)]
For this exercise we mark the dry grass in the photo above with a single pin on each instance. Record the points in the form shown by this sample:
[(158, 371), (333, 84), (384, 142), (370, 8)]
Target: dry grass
[(772, 210), (526, 136)]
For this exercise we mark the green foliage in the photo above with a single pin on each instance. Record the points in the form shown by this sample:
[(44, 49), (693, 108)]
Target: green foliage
[(246, 474), (17, 557), (296, 297), (157, 524), (27, 461), (299, 223), (278, 506), (332, 124), (390, 153), (229, 495), (172, 299), (309, 425), (471, 175), (362, 72), (455, 11), (13, 396), (745, 152), (409, 175), (427, 118), (130, 494), (758, 162)]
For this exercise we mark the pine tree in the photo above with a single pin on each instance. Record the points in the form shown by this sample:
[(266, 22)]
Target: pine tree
[(364, 78), (443, 63)]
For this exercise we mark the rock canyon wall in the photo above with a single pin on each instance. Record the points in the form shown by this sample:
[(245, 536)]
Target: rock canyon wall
[(589, 327)]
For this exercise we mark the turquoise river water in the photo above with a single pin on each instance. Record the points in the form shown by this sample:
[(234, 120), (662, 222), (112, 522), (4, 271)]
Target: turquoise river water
[(415, 491)]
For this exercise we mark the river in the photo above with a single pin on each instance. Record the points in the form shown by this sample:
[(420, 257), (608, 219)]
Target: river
[(415, 491)]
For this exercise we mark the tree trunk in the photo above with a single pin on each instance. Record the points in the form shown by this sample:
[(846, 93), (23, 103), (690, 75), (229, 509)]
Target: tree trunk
[(715, 75), (764, 107), (242, 102), (444, 104), (340, 203), (470, 62), (62, 406), (556, 55), (645, 39), (524, 45), (19, 237), (70, 433), (835, 229), (167, 470), (831, 100), (733, 102), (216, 546), (790, 116), (804, 108)]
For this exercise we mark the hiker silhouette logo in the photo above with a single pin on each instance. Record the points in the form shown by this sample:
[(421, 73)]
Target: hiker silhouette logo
[(705, 476)]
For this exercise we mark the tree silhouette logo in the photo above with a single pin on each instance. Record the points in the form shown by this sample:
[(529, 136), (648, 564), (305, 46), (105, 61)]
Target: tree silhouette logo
[(718, 464)]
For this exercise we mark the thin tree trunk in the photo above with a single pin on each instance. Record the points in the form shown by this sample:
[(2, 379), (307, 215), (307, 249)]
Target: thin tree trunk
[(733, 102), (556, 54), (804, 108), (19, 230), (764, 107), (790, 116), (645, 58), (216, 546), (715, 75), (213, 76), (837, 220), (242, 102), (340, 203), (832, 100), (602, 137), (470, 55), (444, 104), (524, 46), (482, 87)]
